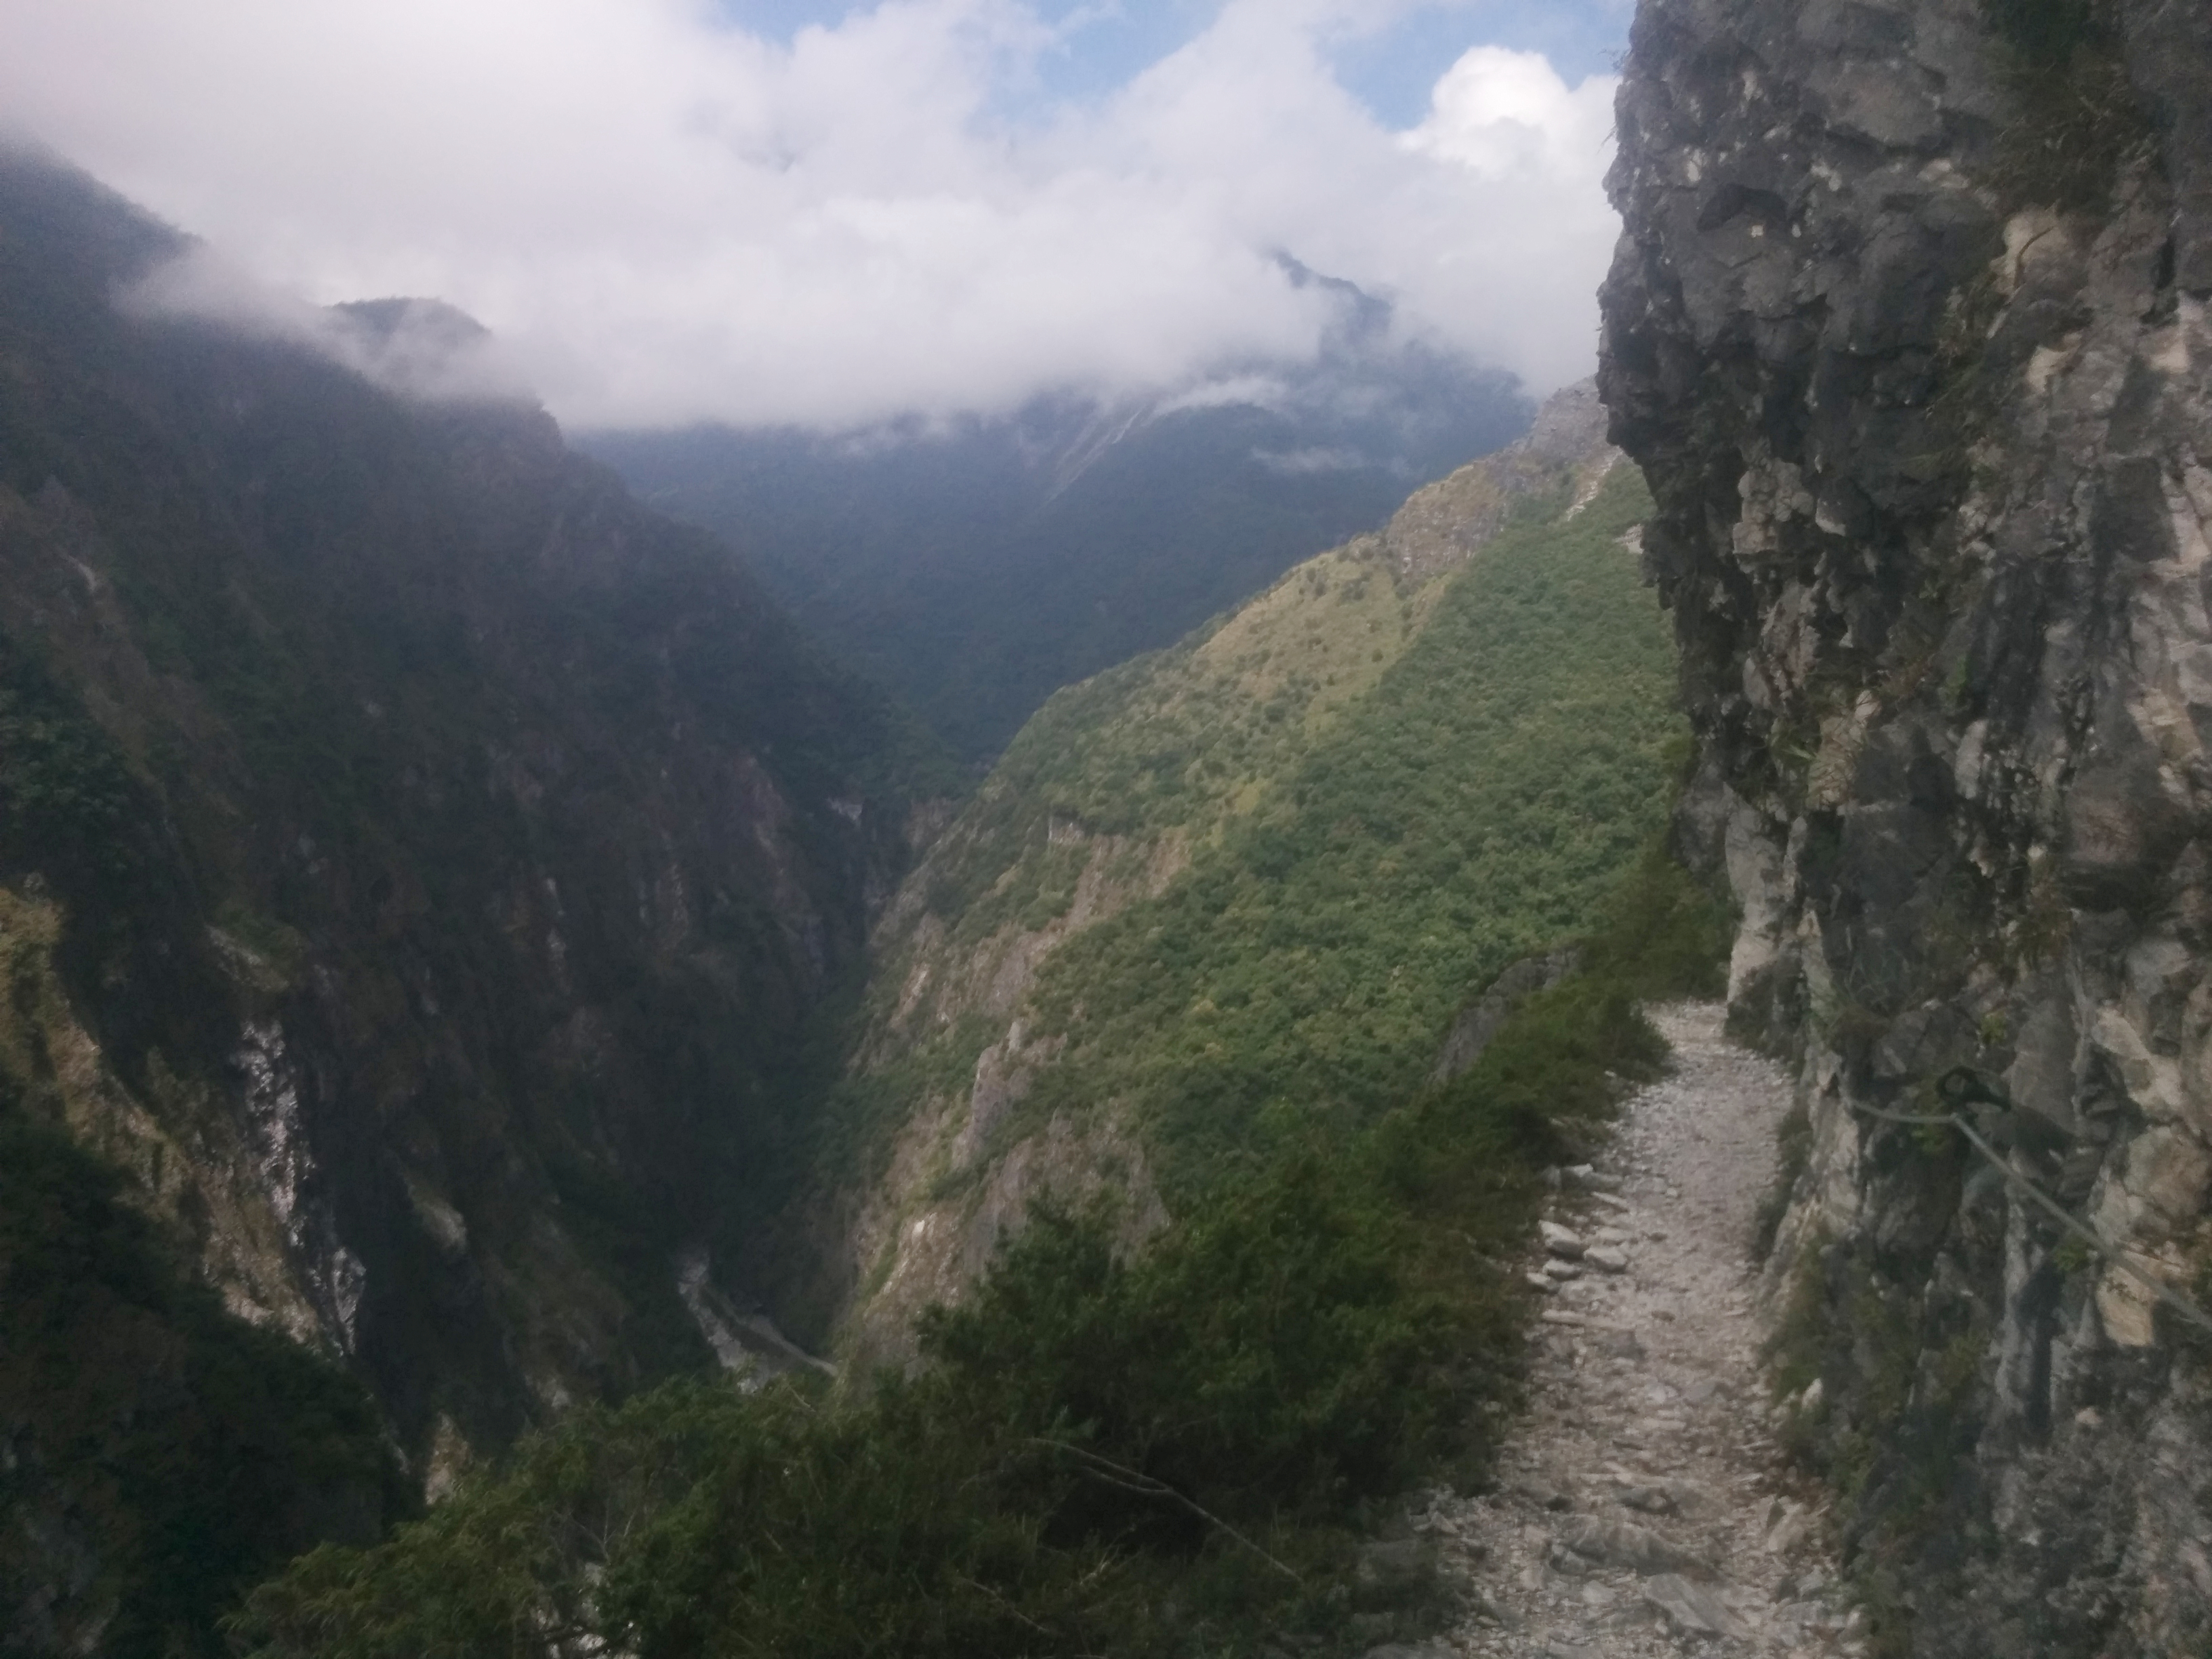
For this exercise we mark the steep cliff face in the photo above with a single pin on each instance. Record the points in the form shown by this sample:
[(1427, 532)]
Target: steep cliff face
[(1908, 329), (418, 863)]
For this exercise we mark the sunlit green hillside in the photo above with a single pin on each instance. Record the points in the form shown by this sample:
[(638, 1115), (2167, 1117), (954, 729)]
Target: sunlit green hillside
[(1236, 888), (1473, 807)]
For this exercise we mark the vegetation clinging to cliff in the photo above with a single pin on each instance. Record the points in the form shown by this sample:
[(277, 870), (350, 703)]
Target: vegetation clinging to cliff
[(1389, 794), (176, 1454), (1474, 809), (2079, 126)]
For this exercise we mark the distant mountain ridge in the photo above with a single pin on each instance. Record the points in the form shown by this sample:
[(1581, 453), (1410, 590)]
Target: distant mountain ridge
[(977, 566)]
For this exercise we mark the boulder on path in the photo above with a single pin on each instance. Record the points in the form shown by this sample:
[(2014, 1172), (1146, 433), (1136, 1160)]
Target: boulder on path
[(1693, 1610), (1788, 1525), (1624, 1544), (1541, 1493), (1560, 1241), (1616, 1344)]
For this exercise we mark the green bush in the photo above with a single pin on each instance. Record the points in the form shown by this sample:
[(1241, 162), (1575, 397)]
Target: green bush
[(697, 1520), (1275, 1354)]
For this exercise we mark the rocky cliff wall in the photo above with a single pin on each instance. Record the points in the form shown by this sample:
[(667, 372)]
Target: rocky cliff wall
[(1908, 329)]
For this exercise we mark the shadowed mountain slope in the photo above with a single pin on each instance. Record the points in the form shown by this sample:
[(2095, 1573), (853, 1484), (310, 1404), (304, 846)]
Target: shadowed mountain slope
[(418, 863)]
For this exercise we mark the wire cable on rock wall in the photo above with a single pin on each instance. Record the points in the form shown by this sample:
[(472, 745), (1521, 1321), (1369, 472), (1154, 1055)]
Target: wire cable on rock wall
[(2112, 1252)]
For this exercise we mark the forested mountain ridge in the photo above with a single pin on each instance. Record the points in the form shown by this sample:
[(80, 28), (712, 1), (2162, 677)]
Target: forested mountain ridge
[(425, 876), (977, 566), (418, 867), (1244, 881)]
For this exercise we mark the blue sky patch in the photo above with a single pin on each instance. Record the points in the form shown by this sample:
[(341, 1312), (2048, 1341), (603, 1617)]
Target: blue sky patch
[(1390, 71)]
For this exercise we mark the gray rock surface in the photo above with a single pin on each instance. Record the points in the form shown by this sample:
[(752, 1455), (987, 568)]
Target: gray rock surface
[(1562, 1242), (1481, 1019), (1691, 1610), (1912, 340)]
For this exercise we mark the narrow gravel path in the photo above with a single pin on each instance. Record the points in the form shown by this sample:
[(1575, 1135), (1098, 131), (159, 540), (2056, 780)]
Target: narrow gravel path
[(1643, 1506)]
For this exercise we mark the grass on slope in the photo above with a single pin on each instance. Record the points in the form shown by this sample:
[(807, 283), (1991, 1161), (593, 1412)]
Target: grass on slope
[(1475, 806)]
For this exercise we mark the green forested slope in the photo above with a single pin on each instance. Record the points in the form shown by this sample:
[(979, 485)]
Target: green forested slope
[(1474, 807), (1229, 890)]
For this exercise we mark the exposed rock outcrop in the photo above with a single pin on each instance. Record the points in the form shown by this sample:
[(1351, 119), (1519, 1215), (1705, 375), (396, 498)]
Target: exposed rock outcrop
[(1908, 329)]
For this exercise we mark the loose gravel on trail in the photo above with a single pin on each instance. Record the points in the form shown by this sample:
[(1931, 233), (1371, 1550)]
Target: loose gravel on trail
[(1642, 1507)]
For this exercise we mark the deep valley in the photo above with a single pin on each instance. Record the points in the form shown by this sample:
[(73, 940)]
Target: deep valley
[(1048, 1033)]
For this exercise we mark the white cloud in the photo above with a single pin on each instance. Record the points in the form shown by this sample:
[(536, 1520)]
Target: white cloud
[(1297, 462), (1507, 117), (418, 347), (667, 219), (1259, 391)]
